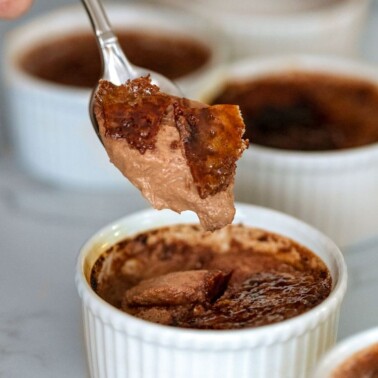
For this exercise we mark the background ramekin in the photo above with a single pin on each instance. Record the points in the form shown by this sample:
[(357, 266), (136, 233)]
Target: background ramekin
[(288, 26), (334, 191), (120, 345), (49, 123), (264, 6), (345, 349)]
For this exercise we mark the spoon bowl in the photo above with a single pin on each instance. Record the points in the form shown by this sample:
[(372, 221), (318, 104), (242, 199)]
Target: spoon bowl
[(116, 67)]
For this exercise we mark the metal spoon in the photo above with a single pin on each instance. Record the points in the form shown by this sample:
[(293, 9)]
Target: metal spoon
[(116, 67)]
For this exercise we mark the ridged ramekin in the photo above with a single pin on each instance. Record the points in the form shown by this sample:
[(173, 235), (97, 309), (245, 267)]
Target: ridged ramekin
[(49, 123), (287, 26), (334, 191), (264, 6), (122, 346), (343, 351)]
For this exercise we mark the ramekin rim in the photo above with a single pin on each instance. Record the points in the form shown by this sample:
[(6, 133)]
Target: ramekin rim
[(261, 66), (361, 151), (218, 58), (345, 349), (308, 19), (297, 325)]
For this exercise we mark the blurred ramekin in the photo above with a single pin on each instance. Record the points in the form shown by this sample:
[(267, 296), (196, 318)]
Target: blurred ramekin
[(334, 191), (120, 345), (345, 350), (52, 134), (264, 6), (273, 27)]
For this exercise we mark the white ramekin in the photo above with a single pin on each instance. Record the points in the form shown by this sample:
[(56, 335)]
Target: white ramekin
[(344, 350), (264, 6), (286, 26), (120, 345), (334, 191), (49, 123)]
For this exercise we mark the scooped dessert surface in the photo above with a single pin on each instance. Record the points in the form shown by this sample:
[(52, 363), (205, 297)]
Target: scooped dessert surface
[(179, 153), (236, 277)]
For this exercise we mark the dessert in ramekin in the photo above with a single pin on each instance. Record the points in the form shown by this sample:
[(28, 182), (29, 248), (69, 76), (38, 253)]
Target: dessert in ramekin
[(324, 171), (121, 345), (49, 73), (354, 357)]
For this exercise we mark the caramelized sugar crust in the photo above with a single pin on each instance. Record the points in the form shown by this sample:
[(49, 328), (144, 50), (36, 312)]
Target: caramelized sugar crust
[(210, 136), (133, 112), (232, 278), (306, 111), (74, 59), (363, 364)]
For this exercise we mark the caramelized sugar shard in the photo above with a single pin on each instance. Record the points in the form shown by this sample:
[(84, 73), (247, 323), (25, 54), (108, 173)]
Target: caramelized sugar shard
[(212, 138), (177, 288), (132, 111)]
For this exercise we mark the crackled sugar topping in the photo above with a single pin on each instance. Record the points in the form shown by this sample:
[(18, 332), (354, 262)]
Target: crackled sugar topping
[(232, 278), (211, 135), (363, 364), (180, 153)]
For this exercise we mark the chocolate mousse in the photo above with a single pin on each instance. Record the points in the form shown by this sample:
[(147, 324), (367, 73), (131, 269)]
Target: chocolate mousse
[(180, 154), (363, 364), (306, 111), (233, 278), (74, 59)]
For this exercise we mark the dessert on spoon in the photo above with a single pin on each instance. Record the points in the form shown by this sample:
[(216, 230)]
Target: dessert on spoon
[(181, 154)]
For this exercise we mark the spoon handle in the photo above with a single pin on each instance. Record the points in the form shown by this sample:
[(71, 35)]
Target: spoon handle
[(99, 21), (116, 67)]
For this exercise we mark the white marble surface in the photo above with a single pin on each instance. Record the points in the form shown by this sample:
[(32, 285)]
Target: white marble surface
[(41, 231)]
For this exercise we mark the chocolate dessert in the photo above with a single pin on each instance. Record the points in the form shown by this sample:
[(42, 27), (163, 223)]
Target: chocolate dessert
[(306, 111), (363, 364), (233, 278), (180, 153), (74, 60)]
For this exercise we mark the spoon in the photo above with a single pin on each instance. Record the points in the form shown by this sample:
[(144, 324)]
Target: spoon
[(116, 67)]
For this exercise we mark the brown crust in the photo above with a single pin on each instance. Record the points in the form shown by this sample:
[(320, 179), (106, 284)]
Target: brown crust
[(363, 363), (233, 278), (306, 111), (132, 111), (210, 137)]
